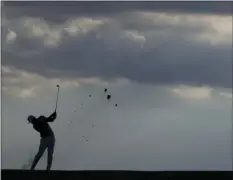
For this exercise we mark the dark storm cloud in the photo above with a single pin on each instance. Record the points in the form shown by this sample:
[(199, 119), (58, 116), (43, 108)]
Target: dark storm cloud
[(51, 10)]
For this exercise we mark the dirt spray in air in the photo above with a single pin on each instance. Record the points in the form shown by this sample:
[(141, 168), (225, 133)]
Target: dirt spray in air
[(28, 164)]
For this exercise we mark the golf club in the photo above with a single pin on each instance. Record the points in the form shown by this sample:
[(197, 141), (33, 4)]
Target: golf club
[(57, 96)]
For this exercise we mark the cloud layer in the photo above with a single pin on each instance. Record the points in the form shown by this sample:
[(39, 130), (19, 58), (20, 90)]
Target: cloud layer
[(148, 47)]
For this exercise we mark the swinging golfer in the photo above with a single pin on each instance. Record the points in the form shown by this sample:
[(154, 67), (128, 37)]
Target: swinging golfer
[(41, 125)]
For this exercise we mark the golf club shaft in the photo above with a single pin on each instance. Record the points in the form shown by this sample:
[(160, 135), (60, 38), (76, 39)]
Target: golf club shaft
[(57, 98)]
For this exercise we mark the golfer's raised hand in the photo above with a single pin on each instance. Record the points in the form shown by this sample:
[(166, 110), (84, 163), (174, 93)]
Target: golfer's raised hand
[(55, 114), (52, 117)]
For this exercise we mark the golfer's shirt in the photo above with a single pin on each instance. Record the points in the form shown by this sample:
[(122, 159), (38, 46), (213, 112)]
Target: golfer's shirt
[(41, 125)]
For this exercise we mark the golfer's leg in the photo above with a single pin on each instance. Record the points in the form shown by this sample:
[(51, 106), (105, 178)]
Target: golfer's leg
[(39, 154), (50, 153)]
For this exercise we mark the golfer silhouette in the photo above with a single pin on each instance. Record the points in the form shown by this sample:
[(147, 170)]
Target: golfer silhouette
[(47, 140)]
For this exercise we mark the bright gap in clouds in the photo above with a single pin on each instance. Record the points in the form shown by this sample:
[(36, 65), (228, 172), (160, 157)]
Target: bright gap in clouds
[(193, 93), (11, 36)]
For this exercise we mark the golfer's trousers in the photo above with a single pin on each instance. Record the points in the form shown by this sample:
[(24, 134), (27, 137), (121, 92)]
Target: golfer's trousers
[(49, 143)]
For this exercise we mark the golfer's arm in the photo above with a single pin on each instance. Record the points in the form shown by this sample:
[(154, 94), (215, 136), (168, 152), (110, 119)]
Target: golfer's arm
[(51, 118)]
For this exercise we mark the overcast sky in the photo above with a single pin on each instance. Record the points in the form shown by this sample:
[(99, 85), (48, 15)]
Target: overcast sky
[(168, 66)]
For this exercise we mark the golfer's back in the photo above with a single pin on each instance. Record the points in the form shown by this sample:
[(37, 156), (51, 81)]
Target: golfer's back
[(42, 126)]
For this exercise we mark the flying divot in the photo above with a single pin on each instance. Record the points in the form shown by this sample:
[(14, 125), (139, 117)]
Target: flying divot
[(108, 97), (116, 105)]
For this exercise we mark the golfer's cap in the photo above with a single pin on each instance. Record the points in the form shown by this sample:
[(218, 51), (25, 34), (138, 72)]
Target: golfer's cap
[(30, 118)]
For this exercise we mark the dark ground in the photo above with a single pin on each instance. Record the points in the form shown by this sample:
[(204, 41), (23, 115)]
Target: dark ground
[(113, 175)]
